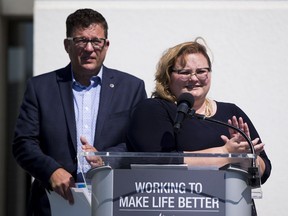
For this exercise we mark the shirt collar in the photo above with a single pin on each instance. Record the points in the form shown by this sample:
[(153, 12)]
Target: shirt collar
[(94, 81)]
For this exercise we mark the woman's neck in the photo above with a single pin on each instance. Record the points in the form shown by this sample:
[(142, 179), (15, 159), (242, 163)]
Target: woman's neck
[(205, 107)]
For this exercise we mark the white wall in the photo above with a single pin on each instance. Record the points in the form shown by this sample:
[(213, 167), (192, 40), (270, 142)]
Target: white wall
[(248, 40)]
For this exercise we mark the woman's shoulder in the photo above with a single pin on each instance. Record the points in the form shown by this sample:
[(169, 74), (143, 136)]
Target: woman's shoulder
[(228, 108), (226, 105), (155, 105), (155, 102)]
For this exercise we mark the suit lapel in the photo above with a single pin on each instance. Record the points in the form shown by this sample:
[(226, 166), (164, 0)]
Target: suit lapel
[(64, 78), (106, 94)]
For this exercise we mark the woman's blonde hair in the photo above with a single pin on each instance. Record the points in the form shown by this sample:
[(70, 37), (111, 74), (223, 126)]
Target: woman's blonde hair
[(166, 64)]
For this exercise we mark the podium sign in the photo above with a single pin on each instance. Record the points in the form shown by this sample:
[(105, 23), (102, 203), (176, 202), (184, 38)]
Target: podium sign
[(160, 192), (162, 184)]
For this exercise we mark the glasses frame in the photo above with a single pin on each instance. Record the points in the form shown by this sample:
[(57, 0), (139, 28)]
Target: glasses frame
[(197, 72), (86, 41)]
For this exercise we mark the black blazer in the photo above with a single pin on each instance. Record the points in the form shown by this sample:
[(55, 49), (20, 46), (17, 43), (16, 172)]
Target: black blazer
[(45, 133)]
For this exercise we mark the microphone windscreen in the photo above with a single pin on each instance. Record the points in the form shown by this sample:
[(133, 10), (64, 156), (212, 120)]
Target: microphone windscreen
[(186, 98)]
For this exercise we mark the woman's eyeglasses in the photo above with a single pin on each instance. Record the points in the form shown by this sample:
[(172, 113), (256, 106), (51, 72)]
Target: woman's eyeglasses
[(200, 73)]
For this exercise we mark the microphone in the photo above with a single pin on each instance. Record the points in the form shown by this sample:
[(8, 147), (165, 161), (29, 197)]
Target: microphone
[(184, 104)]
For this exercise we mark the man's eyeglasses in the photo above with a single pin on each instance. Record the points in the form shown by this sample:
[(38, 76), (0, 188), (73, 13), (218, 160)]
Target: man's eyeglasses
[(200, 73), (97, 43)]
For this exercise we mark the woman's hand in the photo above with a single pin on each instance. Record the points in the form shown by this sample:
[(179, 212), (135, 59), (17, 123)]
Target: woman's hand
[(238, 123), (235, 145), (244, 146)]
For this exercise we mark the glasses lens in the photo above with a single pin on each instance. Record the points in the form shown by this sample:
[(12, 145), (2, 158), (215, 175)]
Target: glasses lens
[(81, 42), (95, 42), (200, 73)]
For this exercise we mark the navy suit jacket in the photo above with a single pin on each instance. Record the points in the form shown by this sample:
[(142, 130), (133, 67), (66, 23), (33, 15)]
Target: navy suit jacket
[(45, 132)]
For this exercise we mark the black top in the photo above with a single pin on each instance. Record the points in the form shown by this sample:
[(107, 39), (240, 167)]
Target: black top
[(152, 129)]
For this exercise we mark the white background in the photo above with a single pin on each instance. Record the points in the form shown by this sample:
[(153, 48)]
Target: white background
[(248, 40)]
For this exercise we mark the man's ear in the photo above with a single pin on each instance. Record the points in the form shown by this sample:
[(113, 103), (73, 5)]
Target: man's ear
[(107, 43), (66, 45)]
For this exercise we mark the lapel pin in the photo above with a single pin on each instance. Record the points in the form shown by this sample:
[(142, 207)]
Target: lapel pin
[(111, 85)]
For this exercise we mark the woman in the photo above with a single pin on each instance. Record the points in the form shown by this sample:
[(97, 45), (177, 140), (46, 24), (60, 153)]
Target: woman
[(186, 68)]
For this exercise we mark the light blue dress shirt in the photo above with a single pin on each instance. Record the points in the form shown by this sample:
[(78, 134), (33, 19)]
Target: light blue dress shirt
[(86, 104)]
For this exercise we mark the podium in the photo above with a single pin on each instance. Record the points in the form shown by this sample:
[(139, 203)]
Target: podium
[(162, 184)]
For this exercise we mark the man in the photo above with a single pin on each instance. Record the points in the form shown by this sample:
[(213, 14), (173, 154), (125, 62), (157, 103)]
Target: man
[(66, 110)]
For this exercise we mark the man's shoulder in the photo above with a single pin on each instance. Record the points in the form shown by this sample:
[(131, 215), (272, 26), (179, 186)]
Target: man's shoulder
[(123, 75), (60, 72)]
